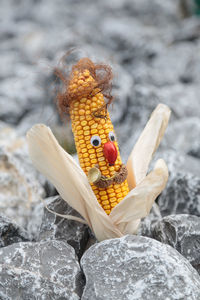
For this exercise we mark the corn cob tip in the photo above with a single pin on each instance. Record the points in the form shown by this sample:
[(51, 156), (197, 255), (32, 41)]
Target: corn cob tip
[(86, 78)]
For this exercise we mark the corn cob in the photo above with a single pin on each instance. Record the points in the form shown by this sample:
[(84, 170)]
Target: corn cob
[(93, 129)]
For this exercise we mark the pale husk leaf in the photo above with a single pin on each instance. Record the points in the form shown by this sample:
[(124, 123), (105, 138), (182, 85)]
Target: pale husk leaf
[(148, 142), (137, 204), (69, 179)]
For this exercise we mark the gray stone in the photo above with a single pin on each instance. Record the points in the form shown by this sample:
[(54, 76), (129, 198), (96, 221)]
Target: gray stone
[(135, 267), (45, 270), (147, 224), (11, 233), (182, 135), (181, 195), (182, 232), (55, 227), (21, 186)]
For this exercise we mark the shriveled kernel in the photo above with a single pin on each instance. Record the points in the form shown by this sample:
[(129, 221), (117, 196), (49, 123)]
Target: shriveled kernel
[(80, 132), (88, 117), (78, 127), (110, 190), (83, 123), (100, 154), (87, 164), (103, 168), (119, 199), (102, 136), (105, 202), (94, 161), (113, 199), (89, 146), (102, 163), (101, 131), (93, 131), (112, 194), (106, 172), (91, 151), (124, 188), (119, 195), (93, 125), (84, 150), (106, 207), (102, 158), (107, 211), (113, 204), (86, 132)]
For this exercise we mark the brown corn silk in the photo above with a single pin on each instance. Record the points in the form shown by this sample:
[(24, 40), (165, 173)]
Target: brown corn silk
[(83, 98)]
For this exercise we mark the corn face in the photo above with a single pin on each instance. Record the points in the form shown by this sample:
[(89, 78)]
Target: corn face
[(94, 136)]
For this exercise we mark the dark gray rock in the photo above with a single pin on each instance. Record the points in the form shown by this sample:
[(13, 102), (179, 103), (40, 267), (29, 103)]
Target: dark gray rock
[(182, 232), (135, 267), (146, 225), (45, 270), (11, 233), (181, 195), (55, 227)]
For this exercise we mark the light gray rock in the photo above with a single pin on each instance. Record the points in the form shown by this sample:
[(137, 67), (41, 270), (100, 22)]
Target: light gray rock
[(135, 267), (45, 270), (182, 232), (182, 135), (11, 233), (55, 227), (21, 186)]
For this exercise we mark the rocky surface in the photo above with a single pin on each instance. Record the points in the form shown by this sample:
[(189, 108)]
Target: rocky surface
[(154, 50), (181, 196), (11, 233), (56, 228), (138, 268), (147, 224), (45, 270), (21, 186), (182, 232)]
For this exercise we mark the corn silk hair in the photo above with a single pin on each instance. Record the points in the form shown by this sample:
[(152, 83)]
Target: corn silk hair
[(102, 75)]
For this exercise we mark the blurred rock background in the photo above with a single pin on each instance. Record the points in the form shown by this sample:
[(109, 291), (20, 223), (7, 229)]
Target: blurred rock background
[(154, 50)]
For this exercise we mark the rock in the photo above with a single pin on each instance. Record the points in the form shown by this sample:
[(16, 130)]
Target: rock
[(182, 232), (45, 270), (175, 137), (134, 267), (146, 225), (178, 162), (11, 233), (181, 195), (56, 228), (21, 186)]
